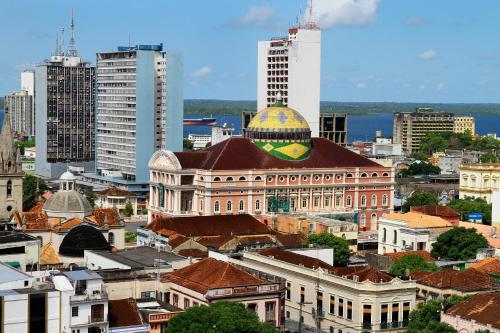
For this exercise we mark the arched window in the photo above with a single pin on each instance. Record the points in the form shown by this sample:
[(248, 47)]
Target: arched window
[(217, 179), (9, 188), (384, 235), (111, 238), (348, 201), (395, 237), (373, 222), (242, 178), (374, 174), (364, 175), (257, 204), (385, 174), (201, 204), (242, 206), (258, 178), (217, 207), (384, 200), (363, 201), (374, 200), (349, 175), (362, 220), (229, 179), (229, 206)]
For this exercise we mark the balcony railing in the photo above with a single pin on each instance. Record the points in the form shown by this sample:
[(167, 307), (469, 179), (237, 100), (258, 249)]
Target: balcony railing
[(157, 318), (367, 326), (89, 298)]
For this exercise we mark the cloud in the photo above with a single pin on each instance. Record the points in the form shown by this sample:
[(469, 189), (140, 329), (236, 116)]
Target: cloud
[(258, 16), (416, 21), (440, 86), (331, 13), (200, 74), (428, 55)]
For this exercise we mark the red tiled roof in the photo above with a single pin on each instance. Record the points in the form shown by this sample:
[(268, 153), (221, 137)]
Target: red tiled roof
[(253, 240), (212, 274), (488, 266), (214, 241), (176, 240), (115, 191), (324, 154), (99, 215), (398, 255), (290, 240), (364, 273), (468, 280), (192, 226), (193, 253), (36, 208), (436, 210), (123, 312), (483, 308)]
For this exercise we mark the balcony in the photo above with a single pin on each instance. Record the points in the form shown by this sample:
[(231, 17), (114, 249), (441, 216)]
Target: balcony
[(92, 320), (367, 327), (82, 297)]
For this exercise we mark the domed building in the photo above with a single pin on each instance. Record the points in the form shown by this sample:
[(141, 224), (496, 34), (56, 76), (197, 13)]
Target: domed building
[(276, 167), (67, 225)]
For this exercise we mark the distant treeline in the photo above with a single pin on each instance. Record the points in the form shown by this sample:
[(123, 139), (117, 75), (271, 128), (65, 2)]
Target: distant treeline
[(1, 103), (217, 107)]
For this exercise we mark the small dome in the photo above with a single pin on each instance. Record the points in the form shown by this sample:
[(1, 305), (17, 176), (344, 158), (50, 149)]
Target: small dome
[(81, 238), (278, 119), (67, 176), (67, 204)]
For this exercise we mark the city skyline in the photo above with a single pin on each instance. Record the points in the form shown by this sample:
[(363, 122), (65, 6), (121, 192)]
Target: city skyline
[(372, 50)]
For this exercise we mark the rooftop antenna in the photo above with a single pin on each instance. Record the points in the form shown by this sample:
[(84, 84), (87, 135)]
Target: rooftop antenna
[(311, 24), (62, 42), (56, 52), (72, 49)]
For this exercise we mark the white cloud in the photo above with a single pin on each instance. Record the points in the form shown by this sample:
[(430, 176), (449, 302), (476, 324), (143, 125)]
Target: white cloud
[(428, 55), (259, 16), (416, 21), (330, 13), (200, 74), (361, 85), (440, 86)]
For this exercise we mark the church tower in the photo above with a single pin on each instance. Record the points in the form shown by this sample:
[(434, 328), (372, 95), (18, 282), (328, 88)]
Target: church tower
[(11, 173)]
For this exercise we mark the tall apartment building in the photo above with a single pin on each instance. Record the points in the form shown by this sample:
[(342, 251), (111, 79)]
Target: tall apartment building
[(463, 124), (139, 110), (19, 105), (410, 127), (291, 66), (28, 84)]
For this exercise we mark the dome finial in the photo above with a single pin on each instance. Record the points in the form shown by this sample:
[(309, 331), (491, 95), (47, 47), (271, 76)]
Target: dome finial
[(279, 100)]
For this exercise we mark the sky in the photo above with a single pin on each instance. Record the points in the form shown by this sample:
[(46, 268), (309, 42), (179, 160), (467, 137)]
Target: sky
[(372, 50)]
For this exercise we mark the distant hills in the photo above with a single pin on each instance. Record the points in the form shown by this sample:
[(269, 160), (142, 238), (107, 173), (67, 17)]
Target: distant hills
[(216, 107)]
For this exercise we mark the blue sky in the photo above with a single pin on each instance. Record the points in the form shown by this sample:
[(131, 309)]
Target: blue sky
[(372, 50)]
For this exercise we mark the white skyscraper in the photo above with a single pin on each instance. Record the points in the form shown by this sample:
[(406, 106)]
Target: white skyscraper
[(291, 65)]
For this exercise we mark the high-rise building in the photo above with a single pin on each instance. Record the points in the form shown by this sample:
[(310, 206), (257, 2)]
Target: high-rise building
[(410, 127), (463, 124), (19, 105), (139, 111), (28, 84), (291, 66), (65, 113), (333, 126)]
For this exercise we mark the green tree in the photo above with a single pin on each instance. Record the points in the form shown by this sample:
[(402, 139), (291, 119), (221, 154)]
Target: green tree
[(30, 184), (427, 316), (411, 263), (91, 198), (419, 199), (420, 168), (458, 244), (219, 317), (24, 144), (489, 158), (472, 205), (482, 331), (187, 145), (130, 237), (340, 246), (419, 156), (128, 210), (433, 142)]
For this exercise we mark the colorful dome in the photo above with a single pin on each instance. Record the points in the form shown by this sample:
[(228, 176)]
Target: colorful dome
[(281, 131)]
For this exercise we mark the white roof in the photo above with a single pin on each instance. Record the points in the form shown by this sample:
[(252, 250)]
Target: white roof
[(67, 176), (62, 283)]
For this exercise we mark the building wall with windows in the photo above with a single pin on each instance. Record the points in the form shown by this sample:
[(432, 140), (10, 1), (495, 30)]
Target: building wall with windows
[(463, 124), (479, 180), (19, 104)]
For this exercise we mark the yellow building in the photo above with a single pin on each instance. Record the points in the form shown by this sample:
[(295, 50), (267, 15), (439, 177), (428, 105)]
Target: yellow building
[(462, 124), (479, 180)]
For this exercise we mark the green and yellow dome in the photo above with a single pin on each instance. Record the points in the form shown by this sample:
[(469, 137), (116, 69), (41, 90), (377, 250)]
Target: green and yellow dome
[(281, 131)]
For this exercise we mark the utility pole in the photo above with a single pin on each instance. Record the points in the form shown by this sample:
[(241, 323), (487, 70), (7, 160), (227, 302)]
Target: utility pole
[(301, 304)]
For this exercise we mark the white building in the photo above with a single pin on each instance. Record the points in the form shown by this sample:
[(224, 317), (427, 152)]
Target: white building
[(199, 141), (408, 232), (335, 299), (221, 133), (19, 249), (385, 147), (495, 208), (291, 65), (28, 84)]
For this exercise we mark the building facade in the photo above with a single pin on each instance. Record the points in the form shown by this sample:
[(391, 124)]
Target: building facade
[(19, 105), (139, 109), (410, 127), (479, 180), (464, 124), (291, 66), (65, 114), (28, 84), (276, 168), (11, 173)]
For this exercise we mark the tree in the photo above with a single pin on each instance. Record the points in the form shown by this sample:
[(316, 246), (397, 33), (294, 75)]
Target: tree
[(30, 185), (427, 316), (91, 198), (471, 205), (419, 156), (489, 158), (433, 142), (128, 210), (418, 168), (340, 246), (219, 317), (458, 244), (187, 145), (130, 237), (419, 199), (411, 263)]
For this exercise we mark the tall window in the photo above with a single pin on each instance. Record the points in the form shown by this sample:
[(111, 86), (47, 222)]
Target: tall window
[(338, 200), (395, 237), (111, 238), (319, 302), (327, 201), (384, 316), (384, 235), (406, 313), (374, 200), (384, 200), (363, 201), (201, 204), (217, 207), (362, 220), (367, 316), (316, 201), (302, 294), (348, 201), (349, 310), (230, 206), (304, 202), (332, 304), (242, 206), (9, 188), (341, 307), (288, 290), (257, 204)]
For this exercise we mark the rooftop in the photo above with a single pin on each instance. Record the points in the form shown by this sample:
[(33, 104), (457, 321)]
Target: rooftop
[(398, 255), (418, 220), (114, 191), (489, 266), (10, 274), (81, 275), (483, 308), (139, 257), (469, 280), (436, 210), (123, 312), (7, 237)]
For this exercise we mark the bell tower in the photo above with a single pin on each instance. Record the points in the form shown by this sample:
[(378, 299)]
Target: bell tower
[(11, 173)]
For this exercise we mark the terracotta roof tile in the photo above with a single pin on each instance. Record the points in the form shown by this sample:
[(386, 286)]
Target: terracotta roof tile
[(99, 215), (115, 191), (436, 210), (193, 253), (48, 255), (488, 266), (123, 312), (290, 240), (324, 154), (364, 273), (176, 240), (418, 220), (468, 280), (255, 240), (212, 274), (214, 241), (483, 308), (398, 255), (36, 208)]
